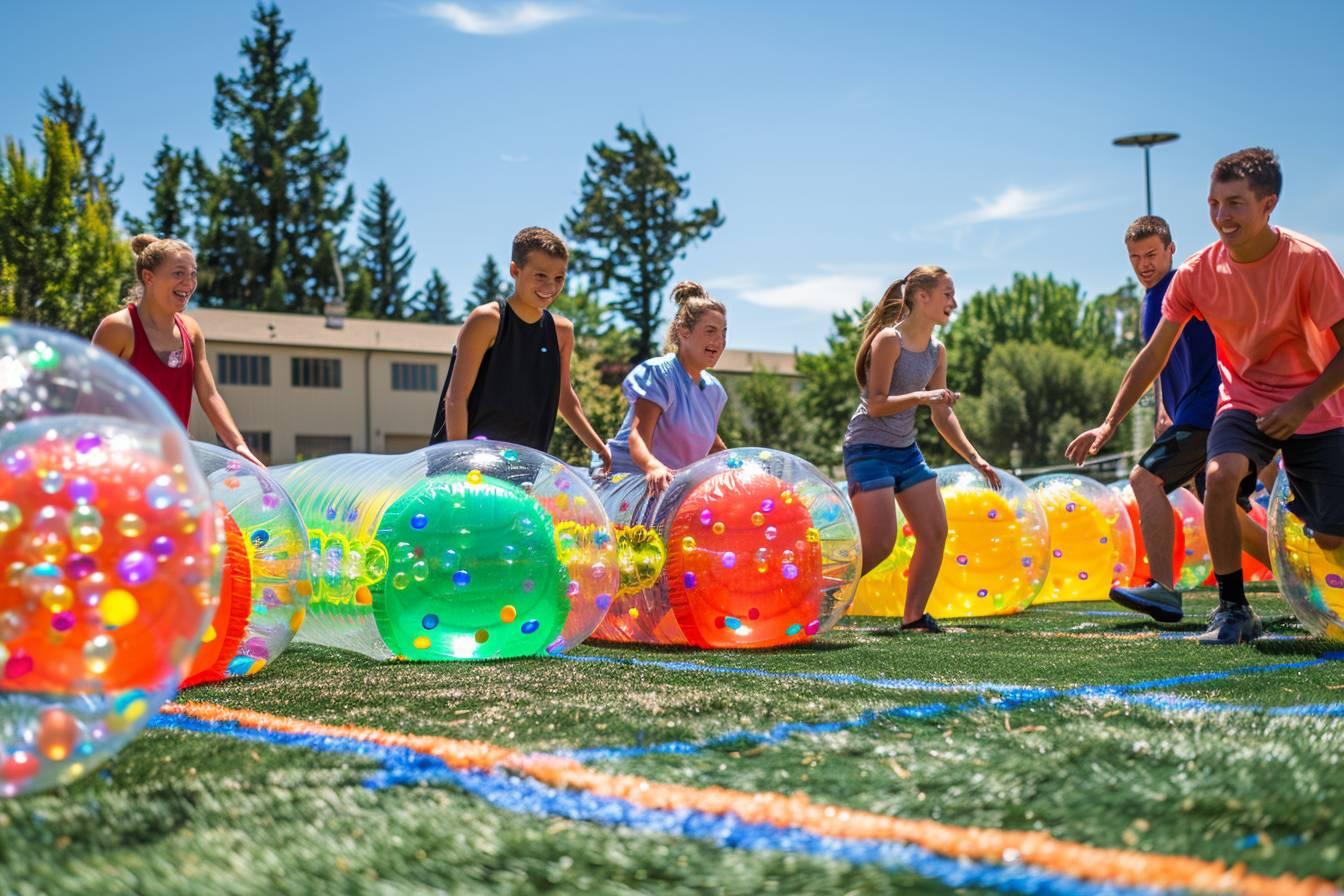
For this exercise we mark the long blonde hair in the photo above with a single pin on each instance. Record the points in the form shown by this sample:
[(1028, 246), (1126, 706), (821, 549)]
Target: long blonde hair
[(692, 301), (150, 251), (895, 307)]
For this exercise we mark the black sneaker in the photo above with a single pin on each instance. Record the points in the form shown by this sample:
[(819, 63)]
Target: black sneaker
[(925, 623), (1157, 601), (1232, 624)]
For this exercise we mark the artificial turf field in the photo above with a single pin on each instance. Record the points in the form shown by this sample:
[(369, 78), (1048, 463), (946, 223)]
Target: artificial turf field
[(866, 762)]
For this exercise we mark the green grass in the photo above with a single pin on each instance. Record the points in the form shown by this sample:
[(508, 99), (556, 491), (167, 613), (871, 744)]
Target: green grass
[(180, 812)]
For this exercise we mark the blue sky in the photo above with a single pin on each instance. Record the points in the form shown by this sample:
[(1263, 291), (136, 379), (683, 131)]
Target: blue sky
[(846, 142)]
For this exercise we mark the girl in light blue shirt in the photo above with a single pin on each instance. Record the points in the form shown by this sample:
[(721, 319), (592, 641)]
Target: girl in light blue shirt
[(675, 402)]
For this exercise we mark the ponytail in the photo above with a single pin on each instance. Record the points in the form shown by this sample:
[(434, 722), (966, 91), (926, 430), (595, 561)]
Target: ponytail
[(896, 304)]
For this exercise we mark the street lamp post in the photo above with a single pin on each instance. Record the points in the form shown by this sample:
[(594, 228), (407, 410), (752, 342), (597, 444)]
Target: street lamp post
[(1146, 140)]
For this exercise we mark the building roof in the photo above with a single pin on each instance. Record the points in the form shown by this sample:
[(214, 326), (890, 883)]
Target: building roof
[(262, 328)]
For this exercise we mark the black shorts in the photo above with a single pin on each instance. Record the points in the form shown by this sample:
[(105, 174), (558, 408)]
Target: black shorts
[(1314, 464), (1177, 456)]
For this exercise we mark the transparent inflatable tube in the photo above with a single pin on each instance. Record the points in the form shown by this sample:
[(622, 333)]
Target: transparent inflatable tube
[(465, 550), (746, 548)]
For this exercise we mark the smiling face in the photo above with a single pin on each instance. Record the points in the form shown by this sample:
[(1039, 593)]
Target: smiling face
[(539, 279), (1151, 259), (702, 345), (1239, 216), (172, 283), (937, 303)]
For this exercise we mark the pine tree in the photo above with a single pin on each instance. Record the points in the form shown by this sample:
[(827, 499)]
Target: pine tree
[(386, 252), (626, 229), (168, 214), (66, 107), (489, 285), (434, 302), (62, 261), (272, 207)]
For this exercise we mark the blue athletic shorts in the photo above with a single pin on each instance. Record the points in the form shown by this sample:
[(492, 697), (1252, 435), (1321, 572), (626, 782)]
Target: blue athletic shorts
[(872, 467)]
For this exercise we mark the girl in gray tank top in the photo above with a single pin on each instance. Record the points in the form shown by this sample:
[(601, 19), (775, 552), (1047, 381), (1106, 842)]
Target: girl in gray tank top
[(900, 367)]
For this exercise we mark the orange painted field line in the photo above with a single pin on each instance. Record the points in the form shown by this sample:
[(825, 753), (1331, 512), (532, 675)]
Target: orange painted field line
[(797, 811)]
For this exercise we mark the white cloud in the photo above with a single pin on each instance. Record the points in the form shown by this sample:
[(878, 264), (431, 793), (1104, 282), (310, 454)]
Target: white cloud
[(506, 157), (830, 291), (515, 19), (1018, 204)]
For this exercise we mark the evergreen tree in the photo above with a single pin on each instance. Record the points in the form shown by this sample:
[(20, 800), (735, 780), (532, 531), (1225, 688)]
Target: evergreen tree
[(386, 252), (168, 215), (66, 107), (490, 285), (62, 261), (626, 229), (435, 302), (273, 207)]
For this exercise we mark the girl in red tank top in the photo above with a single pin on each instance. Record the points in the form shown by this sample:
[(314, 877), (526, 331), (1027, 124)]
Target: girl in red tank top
[(164, 345)]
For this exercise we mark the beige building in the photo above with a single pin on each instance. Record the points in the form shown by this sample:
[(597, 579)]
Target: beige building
[(302, 386)]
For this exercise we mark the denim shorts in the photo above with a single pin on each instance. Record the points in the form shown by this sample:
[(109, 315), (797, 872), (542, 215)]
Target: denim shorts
[(872, 467)]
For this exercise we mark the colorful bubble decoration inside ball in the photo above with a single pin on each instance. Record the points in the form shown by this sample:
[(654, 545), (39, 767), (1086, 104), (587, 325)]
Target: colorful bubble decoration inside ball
[(995, 559), (1310, 579), (1196, 564), (265, 582), (109, 549), (502, 552), (1141, 572), (1091, 537), (760, 550)]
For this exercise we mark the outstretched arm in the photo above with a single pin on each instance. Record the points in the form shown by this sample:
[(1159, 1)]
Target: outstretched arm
[(656, 473), (1142, 372), (571, 409), (211, 401), (949, 427)]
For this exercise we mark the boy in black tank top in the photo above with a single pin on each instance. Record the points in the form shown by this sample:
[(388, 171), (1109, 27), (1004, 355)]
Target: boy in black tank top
[(509, 375)]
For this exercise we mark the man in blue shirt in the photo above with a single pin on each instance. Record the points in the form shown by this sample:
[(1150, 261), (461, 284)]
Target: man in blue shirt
[(1188, 393)]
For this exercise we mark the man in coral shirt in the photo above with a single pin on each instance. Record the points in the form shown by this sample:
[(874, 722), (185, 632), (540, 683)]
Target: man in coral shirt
[(1275, 302)]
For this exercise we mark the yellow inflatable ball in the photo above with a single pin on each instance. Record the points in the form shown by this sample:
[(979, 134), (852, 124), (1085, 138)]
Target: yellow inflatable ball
[(1091, 537), (994, 562), (1311, 580)]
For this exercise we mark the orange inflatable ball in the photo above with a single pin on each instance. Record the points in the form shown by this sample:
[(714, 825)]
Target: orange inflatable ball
[(1091, 537), (108, 557), (227, 627), (995, 560), (1141, 573), (760, 550)]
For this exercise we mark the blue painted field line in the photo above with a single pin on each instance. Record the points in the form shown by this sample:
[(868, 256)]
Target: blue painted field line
[(1176, 703), (1008, 701), (526, 796)]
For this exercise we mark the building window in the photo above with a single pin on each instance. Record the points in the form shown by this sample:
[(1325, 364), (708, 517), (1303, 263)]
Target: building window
[(259, 442), (315, 373), (415, 377), (309, 447), (243, 370)]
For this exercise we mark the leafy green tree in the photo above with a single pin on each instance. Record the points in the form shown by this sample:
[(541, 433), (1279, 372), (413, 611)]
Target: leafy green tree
[(1113, 323), (274, 208), (490, 284), (96, 178), (1037, 397), (62, 261), (768, 416), (169, 216), (626, 229), (830, 394), (434, 303), (386, 252), (597, 367)]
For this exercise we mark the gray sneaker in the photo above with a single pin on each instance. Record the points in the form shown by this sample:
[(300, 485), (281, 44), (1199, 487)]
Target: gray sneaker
[(1232, 624), (1157, 601)]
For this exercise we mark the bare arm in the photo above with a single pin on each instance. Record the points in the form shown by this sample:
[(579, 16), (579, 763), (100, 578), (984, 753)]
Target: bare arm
[(571, 409), (211, 401), (116, 335), (719, 444), (656, 473), (1284, 420), (473, 340), (949, 427), (886, 350), (1143, 370)]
